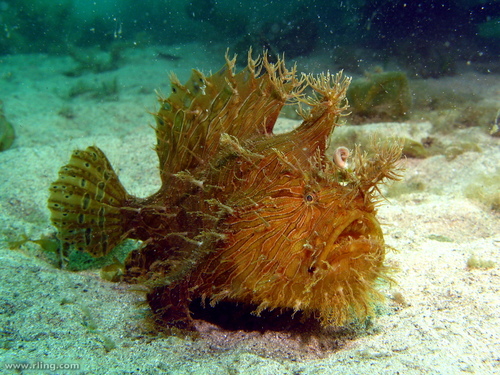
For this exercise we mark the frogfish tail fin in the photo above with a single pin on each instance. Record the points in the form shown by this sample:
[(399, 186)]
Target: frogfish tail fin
[(86, 203)]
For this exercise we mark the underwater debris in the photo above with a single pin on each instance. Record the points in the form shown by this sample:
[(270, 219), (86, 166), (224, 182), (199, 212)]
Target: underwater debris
[(93, 62), (49, 244), (114, 271), (90, 323), (495, 126), (168, 56), (103, 90), (243, 215)]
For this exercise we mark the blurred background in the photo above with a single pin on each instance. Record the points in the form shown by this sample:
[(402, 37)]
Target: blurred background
[(427, 38)]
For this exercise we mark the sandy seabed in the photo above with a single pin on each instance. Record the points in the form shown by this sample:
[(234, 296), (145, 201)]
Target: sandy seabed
[(442, 317)]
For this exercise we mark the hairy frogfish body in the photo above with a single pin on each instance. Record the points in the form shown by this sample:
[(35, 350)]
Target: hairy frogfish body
[(242, 215)]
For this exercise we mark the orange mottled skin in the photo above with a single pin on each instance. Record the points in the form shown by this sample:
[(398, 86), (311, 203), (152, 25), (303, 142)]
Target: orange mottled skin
[(243, 214)]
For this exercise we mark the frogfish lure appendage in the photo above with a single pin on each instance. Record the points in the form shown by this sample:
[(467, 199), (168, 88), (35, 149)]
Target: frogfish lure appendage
[(243, 214)]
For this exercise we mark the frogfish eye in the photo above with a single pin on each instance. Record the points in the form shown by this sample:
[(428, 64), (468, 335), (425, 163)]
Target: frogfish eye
[(309, 197)]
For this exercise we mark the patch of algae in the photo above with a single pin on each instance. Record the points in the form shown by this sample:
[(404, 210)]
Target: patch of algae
[(7, 134), (485, 190), (383, 96)]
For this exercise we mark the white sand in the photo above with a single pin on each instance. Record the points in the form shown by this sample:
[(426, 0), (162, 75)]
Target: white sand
[(448, 323)]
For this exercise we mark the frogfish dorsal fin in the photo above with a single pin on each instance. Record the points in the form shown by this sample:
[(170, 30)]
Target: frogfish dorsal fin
[(245, 104)]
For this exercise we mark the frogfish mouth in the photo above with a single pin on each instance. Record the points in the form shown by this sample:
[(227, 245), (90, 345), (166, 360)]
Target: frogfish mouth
[(273, 221)]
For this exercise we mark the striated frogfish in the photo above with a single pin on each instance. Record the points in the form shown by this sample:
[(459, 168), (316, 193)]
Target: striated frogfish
[(243, 215)]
